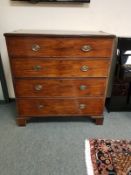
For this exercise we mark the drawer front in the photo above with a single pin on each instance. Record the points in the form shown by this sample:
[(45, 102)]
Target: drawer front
[(79, 106), (60, 68), (60, 87), (59, 47)]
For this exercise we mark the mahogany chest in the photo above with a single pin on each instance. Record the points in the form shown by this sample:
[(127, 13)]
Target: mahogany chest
[(60, 73)]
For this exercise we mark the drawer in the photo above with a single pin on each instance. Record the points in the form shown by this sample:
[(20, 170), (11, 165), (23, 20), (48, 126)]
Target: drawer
[(59, 47), (57, 106), (60, 68), (60, 87)]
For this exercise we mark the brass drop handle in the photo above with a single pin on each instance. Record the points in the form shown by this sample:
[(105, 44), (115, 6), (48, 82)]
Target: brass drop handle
[(84, 68), (86, 48), (37, 67), (83, 87), (82, 106), (40, 106), (35, 47), (38, 87)]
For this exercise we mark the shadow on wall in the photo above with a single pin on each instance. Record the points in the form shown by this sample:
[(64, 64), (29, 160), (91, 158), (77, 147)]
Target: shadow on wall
[(49, 4)]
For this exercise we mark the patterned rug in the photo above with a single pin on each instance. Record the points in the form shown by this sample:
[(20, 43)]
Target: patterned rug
[(108, 157)]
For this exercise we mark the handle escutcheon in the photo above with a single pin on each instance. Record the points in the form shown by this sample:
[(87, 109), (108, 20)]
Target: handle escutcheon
[(37, 67), (84, 68), (38, 87), (83, 87), (82, 106), (86, 48), (40, 106), (35, 47)]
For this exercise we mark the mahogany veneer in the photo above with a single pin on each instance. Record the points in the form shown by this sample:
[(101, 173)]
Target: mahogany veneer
[(59, 46), (60, 87), (63, 74), (59, 68), (60, 106)]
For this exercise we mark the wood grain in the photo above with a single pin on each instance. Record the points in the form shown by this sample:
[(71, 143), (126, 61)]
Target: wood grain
[(59, 47), (60, 106), (60, 87), (59, 68)]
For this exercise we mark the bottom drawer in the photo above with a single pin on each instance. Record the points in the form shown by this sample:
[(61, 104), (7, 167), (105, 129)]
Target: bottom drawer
[(59, 107)]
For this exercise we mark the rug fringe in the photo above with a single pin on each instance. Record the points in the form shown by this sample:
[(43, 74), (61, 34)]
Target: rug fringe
[(89, 165)]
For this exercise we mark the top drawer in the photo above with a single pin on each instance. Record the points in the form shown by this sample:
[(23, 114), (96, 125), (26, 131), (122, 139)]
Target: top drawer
[(27, 46)]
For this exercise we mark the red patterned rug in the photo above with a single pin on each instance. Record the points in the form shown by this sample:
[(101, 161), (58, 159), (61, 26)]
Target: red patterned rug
[(108, 157)]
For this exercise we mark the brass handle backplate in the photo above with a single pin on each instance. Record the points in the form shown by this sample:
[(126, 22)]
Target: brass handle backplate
[(35, 47), (38, 87), (40, 106), (37, 67), (86, 48), (82, 106), (83, 87), (84, 68)]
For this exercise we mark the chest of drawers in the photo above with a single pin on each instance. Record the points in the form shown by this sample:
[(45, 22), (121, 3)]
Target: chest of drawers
[(60, 74)]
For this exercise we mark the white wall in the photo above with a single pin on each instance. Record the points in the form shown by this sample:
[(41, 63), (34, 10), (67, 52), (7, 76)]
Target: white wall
[(112, 16)]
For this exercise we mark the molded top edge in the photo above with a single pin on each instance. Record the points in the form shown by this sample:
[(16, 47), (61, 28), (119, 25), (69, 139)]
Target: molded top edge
[(59, 33)]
